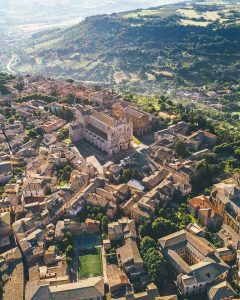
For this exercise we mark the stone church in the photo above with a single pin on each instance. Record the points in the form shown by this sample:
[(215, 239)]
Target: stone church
[(109, 130)]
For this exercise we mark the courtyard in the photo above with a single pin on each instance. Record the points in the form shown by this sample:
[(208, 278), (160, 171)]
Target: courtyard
[(85, 242), (89, 263)]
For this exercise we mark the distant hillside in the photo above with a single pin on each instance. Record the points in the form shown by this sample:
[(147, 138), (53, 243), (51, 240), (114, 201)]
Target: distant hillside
[(144, 50)]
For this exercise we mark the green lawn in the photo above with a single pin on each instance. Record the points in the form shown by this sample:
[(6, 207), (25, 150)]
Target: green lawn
[(90, 263)]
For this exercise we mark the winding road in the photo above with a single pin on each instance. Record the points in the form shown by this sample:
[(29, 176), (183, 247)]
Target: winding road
[(9, 65)]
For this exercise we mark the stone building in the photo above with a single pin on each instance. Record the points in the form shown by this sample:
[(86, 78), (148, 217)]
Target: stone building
[(108, 130), (194, 260), (102, 97), (130, 261), (142, 121), (90, 288), (206, 213), (225, 197)]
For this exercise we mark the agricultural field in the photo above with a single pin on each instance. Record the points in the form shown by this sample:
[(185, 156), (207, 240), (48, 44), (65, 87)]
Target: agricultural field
[(42, 45), (141, 13), (194, 23)]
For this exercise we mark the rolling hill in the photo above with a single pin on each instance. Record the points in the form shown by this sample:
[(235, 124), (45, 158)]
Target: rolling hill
[(179, 45)]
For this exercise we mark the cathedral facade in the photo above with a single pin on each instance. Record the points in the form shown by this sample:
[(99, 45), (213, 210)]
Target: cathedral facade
[(108, 130)]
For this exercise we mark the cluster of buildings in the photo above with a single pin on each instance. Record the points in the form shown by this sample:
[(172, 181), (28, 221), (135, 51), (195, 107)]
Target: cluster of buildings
[(50, 182), (196, 263)]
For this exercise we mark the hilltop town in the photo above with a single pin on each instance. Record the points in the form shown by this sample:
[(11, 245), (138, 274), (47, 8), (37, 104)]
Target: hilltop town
[(103, 199)]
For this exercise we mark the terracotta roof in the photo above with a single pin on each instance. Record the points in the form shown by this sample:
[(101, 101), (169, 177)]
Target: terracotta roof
[(82, 289), (129, 251), (103, 118), (205, 133), (135, 113), (202, 202), (172, 239), (116, 276), (221, 290)]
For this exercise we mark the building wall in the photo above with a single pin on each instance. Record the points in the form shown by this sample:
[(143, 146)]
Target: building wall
[(142, 125), (233, 223), (118, 137)]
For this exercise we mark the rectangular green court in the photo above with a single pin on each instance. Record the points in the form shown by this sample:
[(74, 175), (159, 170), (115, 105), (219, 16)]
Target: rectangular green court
[(90, 263)]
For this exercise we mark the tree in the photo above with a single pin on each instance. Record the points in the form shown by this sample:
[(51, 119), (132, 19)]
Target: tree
[(65, 113), (32, 133), (158, 124), (1, 289), (146, 228), (163, 107), (64, 133), (69, 250), (237, 153), (181, 149), (235, 116), (19, 86), (141, 230), (64, 174), (48, 190), (185, 220), (11, 120), (39, 131), (104, 223), (162, 227), (146, 243), (224, 148), (35, 132), (156, 266), (70, 99), (203, 175), (68, 236), (69, 260), (128, 174)]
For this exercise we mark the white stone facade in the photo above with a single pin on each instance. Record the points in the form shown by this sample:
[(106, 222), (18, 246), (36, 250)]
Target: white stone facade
[(109, 132)]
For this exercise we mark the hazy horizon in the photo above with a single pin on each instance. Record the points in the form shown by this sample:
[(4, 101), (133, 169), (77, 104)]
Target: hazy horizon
[(33, 11)]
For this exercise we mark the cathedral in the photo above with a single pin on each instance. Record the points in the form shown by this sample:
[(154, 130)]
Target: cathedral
[(109, 130)]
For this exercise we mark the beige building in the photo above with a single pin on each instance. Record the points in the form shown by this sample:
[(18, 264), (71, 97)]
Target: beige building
[(225, 197), (222, 290), (122, 229), (194, 260), (110, 130), (5, 171), (206, 213), (102, 97), (88, 289), (130, 261), (142, 121), (23, 227), (54, 123), (117, 280), (5, 224)]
